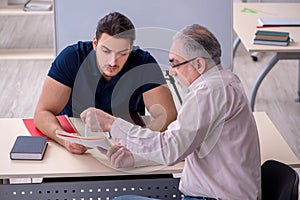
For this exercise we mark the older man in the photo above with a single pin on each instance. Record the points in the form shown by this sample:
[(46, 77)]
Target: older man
[(215, 131)]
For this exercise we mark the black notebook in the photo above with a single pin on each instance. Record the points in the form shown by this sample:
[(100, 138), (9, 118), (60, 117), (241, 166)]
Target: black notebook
[(29, 148)]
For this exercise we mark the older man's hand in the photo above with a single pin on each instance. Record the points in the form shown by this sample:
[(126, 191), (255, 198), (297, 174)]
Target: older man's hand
[(119, 156), (97, 120)]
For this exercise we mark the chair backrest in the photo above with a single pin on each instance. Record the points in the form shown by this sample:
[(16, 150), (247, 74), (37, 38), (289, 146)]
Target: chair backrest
[(279, 181)]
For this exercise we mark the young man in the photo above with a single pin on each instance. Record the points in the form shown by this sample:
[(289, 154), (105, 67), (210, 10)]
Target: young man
[(215, 131), (108, 73)]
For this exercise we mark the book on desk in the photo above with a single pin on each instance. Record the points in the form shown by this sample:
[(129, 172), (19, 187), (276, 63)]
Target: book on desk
[(277, 38), (266, 21), (73, 131), (63, 120), (28, 148)]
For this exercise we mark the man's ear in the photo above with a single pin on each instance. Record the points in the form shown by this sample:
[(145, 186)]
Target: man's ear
[(95, 42), (201, 65)]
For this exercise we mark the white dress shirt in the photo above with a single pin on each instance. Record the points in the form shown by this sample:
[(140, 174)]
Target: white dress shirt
[(215, 132)]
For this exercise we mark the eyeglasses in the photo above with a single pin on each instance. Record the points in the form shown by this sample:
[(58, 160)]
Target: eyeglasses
[(183, 63)]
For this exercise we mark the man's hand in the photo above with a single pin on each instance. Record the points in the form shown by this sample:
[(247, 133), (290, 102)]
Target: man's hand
[(119, 156), (74, 147), (97, 120)]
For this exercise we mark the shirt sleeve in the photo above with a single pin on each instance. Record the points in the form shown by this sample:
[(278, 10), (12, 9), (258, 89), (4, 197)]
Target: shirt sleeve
[(181, 138), (142, 161), (63, 68)]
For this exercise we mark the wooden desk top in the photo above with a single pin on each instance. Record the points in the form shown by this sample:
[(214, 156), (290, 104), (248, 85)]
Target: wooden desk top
[(245, 24), (58, 162), (272, 144)]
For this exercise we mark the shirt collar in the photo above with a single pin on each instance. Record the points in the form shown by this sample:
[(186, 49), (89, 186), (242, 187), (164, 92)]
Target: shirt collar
[(200, 81)]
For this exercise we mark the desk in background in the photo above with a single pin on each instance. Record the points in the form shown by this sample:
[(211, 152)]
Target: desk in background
[(272, 144), (245, 24), (62, 175)]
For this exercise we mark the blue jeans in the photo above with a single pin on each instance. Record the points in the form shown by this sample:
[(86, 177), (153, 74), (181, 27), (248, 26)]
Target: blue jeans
[(132, 197), (136, 197), (190, 198)]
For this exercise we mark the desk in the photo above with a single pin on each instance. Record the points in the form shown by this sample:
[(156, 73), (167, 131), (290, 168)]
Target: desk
[(272, 144), (69, 175), (245, 25), (82, 169)]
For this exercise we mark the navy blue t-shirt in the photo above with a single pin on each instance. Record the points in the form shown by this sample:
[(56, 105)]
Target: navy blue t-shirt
[(76, 68)]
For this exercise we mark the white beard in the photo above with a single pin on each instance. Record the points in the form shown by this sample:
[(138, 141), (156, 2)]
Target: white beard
[(183, 88)]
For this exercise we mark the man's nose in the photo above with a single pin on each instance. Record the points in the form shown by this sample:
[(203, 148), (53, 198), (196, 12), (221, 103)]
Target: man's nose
[(112, 60)]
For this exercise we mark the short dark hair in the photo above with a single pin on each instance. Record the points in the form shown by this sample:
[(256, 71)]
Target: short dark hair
[(116, 25)]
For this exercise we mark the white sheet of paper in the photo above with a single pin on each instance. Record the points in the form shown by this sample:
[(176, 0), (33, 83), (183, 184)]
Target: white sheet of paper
[(91, 142), (264, 21)]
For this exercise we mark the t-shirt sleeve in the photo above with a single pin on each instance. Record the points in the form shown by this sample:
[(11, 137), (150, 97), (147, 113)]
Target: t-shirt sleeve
[(152, 74), (65, 67)]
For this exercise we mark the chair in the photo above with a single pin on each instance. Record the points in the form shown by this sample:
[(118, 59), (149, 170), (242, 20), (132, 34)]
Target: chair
[(279, 181)]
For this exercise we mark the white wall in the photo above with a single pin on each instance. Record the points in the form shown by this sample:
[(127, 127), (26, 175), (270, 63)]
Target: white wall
[(77, 19)]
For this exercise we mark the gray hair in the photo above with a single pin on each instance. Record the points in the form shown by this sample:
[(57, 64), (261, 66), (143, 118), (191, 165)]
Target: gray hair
[(200, 41)]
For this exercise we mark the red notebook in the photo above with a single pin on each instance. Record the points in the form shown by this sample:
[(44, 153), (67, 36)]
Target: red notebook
[(63, 120)]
